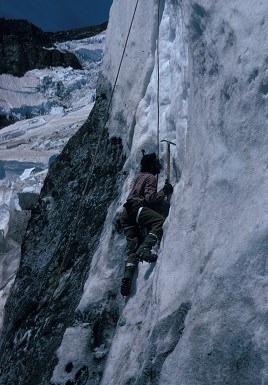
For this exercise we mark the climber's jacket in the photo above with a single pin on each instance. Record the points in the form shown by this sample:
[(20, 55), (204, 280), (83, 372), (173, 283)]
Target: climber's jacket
[(143, 193)]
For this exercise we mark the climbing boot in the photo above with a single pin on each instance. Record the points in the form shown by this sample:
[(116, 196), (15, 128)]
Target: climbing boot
[(144, 251), (147, 256), (127, 280)]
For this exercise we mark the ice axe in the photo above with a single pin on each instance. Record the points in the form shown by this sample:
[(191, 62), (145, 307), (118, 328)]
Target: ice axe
[(168, 157)]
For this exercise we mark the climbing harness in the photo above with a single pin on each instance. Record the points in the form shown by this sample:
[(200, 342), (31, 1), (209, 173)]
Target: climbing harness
[(24, 378)]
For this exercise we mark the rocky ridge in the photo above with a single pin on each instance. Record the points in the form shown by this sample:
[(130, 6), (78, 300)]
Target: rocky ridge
[(50, 105), (23, 46)]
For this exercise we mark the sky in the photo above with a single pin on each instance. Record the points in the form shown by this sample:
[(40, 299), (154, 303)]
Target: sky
[(57, 15)]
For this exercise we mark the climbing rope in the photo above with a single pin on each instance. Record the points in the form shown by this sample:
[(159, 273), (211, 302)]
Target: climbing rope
[(158, 81), (158, 86), (23, 380)]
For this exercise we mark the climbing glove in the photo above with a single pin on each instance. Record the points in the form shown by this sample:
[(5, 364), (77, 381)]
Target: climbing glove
[(168, 189)]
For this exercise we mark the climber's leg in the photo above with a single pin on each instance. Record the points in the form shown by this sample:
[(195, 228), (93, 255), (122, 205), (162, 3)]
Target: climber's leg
[(154, 223), (132, 233)]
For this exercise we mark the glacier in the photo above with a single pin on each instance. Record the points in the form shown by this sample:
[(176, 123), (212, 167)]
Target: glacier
[(50, 106), (199, 316)]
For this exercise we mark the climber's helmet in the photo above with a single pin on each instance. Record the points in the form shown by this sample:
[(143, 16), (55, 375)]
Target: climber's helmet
[(150, 163)]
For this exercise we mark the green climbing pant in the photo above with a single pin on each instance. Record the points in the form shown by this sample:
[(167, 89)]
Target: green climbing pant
[(146, 218)]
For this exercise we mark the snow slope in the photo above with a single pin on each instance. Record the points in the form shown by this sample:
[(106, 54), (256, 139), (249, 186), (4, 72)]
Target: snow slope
[(199, 315)]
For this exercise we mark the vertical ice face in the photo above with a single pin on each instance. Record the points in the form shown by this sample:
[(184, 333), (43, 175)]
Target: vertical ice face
[(199, 317)]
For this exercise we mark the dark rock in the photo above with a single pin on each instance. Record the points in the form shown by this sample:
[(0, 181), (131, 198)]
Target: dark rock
[(28, 200), (6, 120), (39, 305), (23, 47), (18, 221)]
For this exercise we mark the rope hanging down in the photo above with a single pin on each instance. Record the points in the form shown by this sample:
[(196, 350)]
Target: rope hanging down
[(23, 380), (158, 80)]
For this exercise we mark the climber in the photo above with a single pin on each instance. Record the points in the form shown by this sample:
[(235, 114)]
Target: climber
[(140, 212)]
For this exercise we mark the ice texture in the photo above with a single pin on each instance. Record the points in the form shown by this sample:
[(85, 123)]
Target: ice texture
[(199, 317)]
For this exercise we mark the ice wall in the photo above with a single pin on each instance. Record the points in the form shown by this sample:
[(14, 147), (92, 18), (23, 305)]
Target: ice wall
[(198, 317)]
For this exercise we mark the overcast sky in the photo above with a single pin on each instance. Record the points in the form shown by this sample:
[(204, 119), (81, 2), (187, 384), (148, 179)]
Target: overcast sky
[(57, 15)]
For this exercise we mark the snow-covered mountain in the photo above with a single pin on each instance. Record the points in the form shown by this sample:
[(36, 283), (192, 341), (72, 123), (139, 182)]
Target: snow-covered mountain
[(50, 106), (199, 316)]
